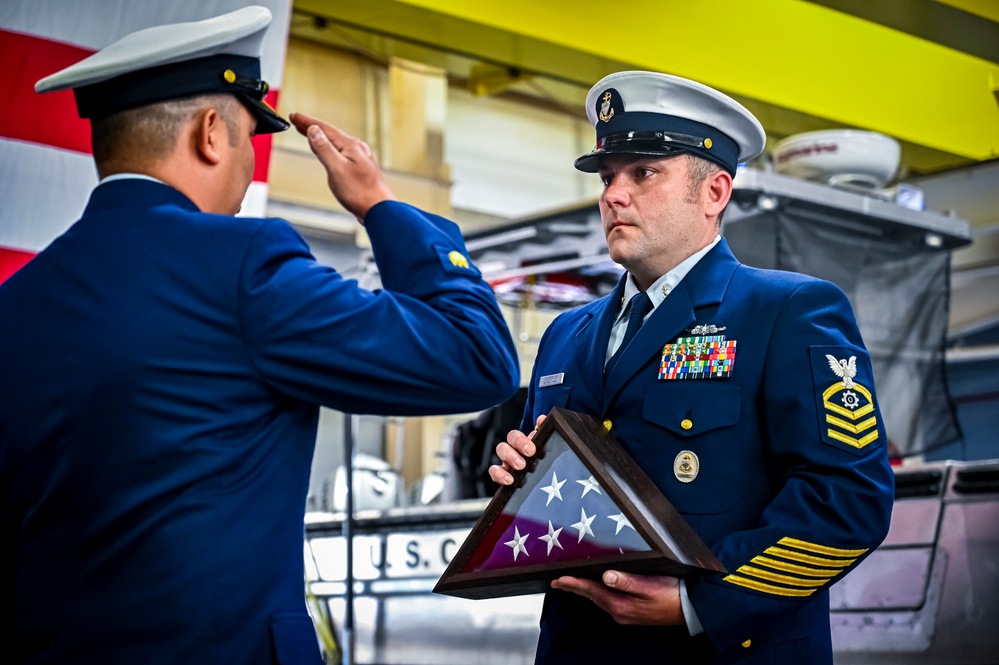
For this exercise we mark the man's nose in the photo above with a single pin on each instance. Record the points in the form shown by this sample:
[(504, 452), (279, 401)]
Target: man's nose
[(616, 191)]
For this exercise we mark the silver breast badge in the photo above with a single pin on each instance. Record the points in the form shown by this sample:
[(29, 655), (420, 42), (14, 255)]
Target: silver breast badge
[(709, 329)]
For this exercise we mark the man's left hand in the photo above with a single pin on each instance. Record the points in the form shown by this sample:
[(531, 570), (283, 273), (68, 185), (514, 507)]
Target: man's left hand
[(631, 599)]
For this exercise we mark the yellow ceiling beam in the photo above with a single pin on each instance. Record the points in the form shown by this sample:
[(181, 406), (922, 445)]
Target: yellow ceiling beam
[(985, 8), (786, 53)]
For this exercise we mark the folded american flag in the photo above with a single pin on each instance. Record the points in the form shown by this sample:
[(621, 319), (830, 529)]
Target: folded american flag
[(561, 514)]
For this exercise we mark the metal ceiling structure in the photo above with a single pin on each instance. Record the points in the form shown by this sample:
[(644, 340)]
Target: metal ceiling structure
[(922, 71)]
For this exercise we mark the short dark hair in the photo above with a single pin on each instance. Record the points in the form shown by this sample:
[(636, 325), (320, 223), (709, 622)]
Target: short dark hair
[(698, 170), (150, 132)]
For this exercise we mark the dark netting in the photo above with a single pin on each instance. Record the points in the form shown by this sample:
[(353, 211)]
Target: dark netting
[(899, 288)]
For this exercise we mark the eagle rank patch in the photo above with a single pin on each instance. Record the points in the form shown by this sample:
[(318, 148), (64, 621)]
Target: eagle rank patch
[(846, 405)]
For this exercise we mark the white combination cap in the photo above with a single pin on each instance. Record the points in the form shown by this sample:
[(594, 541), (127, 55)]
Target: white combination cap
[(217, 55), (648, 113)]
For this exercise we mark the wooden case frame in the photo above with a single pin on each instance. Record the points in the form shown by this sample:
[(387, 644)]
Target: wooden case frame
[(676, 549)]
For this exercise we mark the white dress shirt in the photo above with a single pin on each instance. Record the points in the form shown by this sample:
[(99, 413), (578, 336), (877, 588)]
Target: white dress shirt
[(657, 293)]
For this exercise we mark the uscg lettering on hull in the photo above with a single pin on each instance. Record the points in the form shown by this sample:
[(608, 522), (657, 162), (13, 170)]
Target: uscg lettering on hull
[(391, 556)]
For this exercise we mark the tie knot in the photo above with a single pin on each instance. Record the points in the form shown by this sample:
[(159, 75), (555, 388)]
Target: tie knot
[(641, 305)]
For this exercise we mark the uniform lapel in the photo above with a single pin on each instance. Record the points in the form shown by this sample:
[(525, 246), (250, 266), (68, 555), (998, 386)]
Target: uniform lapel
[(704, 285), (591, 340), (666, 323)]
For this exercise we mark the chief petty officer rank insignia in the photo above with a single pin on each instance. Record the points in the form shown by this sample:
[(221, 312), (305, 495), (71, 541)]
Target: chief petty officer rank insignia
[(699, 356), (846, 405)]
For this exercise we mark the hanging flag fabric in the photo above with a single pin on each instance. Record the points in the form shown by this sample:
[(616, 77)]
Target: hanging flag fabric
[(45, 146)]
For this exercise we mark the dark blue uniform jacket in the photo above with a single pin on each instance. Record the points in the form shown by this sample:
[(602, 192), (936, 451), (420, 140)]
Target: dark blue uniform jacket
[(791, 486), (161, 372)]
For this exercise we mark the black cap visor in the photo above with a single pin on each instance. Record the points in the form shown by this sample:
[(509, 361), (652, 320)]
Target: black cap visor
[(231, 74), (654, 134), (590, 162), (268, 120)]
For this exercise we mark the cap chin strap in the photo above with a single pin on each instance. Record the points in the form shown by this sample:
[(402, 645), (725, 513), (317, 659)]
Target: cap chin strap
[(667, 139)]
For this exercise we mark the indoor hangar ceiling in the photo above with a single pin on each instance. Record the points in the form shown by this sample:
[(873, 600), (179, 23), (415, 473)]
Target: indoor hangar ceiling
[(925, 72)]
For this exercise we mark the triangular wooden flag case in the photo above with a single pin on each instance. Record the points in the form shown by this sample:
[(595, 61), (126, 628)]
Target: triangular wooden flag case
[(582, 506)]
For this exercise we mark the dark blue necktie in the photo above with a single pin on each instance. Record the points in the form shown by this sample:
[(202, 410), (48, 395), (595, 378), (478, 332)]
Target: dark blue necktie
[(641, 305)]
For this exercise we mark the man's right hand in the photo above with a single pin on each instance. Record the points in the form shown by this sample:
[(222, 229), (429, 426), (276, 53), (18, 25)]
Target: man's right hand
[(352, 171), (512, 453)]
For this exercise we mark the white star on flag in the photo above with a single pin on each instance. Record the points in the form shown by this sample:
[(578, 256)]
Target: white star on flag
[(590, 484), (547, 520), (622, 522), (517, 544), (553, 489), (583, 525), (552, 537)]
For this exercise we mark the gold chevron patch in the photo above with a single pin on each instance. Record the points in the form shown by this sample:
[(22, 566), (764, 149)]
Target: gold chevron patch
[(797, 572), (844, 407)]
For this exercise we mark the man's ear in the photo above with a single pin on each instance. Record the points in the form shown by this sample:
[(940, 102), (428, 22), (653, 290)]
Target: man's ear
[(210, 133), (718, 190)]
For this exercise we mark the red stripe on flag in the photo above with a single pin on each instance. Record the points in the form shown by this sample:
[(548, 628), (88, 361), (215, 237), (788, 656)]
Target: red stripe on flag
[(25, 115), (11, 260), (51, 119), (262, 145)]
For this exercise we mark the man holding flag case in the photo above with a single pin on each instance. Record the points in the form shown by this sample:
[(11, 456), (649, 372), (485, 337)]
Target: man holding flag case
[(716, 378)]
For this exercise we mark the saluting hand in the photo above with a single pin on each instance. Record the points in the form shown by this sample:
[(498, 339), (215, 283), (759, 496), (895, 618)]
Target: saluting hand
[(353, 174)]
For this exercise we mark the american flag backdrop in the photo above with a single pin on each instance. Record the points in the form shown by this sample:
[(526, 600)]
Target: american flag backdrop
[(560, 515), (46, 170)]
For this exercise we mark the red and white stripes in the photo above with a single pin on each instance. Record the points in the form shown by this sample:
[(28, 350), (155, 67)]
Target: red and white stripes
[(46, 171)]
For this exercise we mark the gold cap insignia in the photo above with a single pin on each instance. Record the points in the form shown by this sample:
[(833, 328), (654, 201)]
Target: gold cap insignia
[(606, 112), (708, 143), (229, 76)]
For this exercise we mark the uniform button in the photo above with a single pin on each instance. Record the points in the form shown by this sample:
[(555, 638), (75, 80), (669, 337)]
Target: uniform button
[(747, 644), (686, 423), (607, 425)]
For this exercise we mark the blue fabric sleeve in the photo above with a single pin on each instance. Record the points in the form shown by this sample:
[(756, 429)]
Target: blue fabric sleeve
[(433, 340)]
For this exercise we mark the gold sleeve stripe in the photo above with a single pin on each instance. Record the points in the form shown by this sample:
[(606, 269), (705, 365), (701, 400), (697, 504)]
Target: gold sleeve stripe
[(782, 579), (804, 558), (791, 568), (768, 588), (819, 549)]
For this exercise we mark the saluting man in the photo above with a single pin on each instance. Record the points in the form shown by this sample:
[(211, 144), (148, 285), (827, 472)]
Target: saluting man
[(163, 362), (745, 394)]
